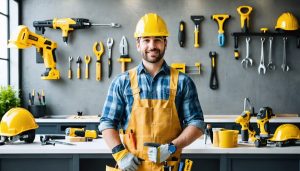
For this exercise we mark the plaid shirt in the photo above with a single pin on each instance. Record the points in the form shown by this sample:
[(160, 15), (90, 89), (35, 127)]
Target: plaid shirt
[(117, 107)]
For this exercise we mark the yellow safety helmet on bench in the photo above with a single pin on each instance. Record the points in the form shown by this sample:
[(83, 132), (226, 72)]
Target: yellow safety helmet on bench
[(286, 132), (151, 24), (287, 21), (18, 122)]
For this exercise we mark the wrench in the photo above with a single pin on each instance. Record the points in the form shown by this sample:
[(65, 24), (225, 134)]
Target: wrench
[(70, 69), (262, 57), (110, 42), (247, 58), (271, 66), (284, 66)]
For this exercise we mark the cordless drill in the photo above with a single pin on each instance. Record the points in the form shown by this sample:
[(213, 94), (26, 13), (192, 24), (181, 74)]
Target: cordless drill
[(246, 130), (81, 132), (45, 47), (263, 117), (244, 120), (67, 25)]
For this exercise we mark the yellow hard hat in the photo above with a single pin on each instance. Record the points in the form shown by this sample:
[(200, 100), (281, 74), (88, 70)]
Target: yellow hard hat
[(286, 132), (151, 24), (287, 21), (16, 121)]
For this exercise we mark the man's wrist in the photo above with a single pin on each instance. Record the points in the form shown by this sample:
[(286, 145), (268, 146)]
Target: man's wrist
[(118, 148)]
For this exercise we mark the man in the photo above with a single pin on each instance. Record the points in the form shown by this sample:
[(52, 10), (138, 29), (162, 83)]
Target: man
[(152, 103)]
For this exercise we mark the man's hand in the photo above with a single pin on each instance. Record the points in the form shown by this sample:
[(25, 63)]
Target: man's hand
[(126, 161), (159, 154)]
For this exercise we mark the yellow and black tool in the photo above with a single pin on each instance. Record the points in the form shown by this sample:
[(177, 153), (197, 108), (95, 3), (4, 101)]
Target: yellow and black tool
[(68, 25), (24, 38), (214, 83), (244, 120), (188, 165), (197, 19), (245, 12), (98, 54), (220, 19), (181, 34), (79, 61), (182, 67), (87, 60), (81, 132), (124, 58), (263, 117)]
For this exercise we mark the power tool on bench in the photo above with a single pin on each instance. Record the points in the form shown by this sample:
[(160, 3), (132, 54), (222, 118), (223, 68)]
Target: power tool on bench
[(81, 132), (67, 25), (263, 117), (46, 47), (244, 120)]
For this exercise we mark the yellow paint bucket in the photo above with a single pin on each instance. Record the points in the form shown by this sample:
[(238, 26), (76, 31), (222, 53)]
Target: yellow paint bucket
[(228, 138)]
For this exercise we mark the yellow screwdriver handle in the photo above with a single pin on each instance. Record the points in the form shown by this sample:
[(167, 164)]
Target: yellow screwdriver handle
[(196, 35), (123, 67), (78, 73), (98, 71), (70, 74)]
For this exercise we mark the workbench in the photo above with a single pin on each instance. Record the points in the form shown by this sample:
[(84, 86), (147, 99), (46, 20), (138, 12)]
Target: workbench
[(93, 156)]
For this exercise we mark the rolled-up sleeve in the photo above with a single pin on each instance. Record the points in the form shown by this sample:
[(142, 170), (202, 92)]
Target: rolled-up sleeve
[(113, 107), (191, 107)]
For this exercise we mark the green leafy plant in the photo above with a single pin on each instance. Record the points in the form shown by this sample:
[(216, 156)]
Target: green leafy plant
[(8, 99)]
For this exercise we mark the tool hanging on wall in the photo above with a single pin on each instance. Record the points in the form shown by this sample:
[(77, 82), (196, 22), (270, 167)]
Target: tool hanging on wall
[(182, 67), (284, 65), (220, 19), (87, 60), (244, 12), (109, 43), (79, 61), (68, 25), (196, 19), (270, 65), (70, 67), (247, 59), (124, 58), (213, 84), (98, 54), (181, 34), (24, 38), (262, 52)]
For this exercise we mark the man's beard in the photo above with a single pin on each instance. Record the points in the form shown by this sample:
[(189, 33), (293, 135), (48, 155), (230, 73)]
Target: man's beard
[(156, 59)]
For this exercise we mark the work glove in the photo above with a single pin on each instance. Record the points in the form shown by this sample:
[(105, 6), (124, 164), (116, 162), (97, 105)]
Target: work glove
[(126, 161), (159, 154)]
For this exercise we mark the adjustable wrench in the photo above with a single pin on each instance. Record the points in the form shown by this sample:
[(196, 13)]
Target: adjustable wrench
[(247, 59), (271, 66), (262, 57), (284, 66)]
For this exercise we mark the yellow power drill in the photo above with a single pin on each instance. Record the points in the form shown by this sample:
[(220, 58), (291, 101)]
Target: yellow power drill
[(244, 120), (67, 25), (81, 132), (263, 117), (24, 38)]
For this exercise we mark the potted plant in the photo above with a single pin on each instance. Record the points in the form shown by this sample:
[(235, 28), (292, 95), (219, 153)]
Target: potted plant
[(8, 99)]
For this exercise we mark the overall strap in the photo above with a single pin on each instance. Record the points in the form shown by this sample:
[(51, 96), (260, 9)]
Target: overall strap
[(134, 83), (173, 83)]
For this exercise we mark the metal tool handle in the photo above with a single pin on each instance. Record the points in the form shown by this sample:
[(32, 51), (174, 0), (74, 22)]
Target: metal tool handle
[(262, 55), (270, 49)]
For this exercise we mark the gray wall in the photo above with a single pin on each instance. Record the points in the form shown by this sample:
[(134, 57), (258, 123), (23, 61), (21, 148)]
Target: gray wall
[(277, 89)]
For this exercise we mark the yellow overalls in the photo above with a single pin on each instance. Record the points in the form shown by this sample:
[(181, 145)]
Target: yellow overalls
[(155, 121)]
